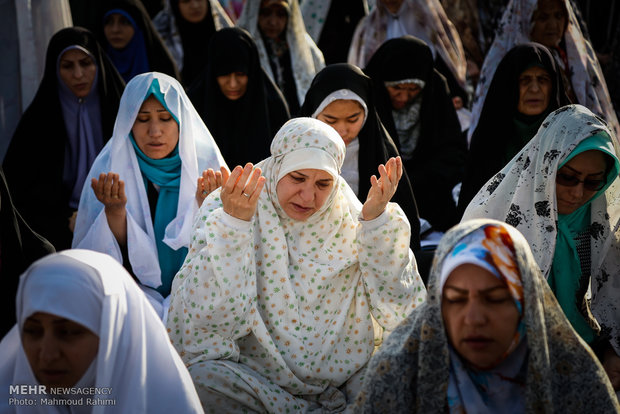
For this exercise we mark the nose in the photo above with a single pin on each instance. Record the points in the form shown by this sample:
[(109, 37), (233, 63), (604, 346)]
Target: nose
[(341, 128), (233, 81), (306, 192), (154, 128), (475, 313), (535, 86), (577, 191), (49, 350), (78, 71)]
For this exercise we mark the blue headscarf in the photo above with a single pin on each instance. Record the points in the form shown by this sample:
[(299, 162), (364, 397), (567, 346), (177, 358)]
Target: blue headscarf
[(165, 173), (566, 268), (132, 60)]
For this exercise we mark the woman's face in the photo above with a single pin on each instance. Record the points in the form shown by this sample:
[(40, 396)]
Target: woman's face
[(118, 31), (549, 23), (301, 193), (194, 11), (479, 314), (345, 116), (588, 166), (155, 130), (234, 85), (272, 18), (534, 91), (77, 70), (402, 95), (59, 350)]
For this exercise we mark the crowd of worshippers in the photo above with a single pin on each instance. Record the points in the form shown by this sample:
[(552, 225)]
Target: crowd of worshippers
[(295, 206)]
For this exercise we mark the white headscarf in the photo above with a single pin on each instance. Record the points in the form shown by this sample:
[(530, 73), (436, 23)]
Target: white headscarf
[(584, 70), (306, 58), (135, 358), (198, 151), (425, 19)]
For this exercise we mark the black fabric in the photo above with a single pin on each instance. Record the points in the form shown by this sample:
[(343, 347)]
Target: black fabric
[(338, 29), (34, 162), (495, 140), (160, 59), (195, 39), (438, 160), (376, 145), (283, 73), (243, 129), (19, 247)]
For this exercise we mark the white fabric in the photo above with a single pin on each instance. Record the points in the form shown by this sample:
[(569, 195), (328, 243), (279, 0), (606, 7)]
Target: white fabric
[(306, 58), (584, 69), (292, 301), (424, 19), (135, 358), (523, 195), (315, 13), (350, 168), (166, 25), (198, 151)]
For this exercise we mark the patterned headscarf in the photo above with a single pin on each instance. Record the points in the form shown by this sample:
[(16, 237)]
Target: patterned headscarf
[(411, 371)]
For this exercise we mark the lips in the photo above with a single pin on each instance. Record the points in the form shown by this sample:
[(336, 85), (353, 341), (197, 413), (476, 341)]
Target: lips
[(52, 375), (476, 342), (300, 208)]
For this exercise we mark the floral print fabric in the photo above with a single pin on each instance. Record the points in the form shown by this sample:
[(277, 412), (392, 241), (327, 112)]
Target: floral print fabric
[(286, 305), (410, 373)]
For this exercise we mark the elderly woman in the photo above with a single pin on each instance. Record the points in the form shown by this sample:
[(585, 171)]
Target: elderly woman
[(68, 122), (106, 336), (288, 276), (490, 338), (239, 103), (553, 24), (287, 53), (526, 88), (414, 105), (141, 198), (561, 191)]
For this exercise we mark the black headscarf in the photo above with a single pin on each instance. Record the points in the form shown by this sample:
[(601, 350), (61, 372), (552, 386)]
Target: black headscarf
[(159, 58), (244, 128), (437, 162), (376, 145), (19, 247), (35, 160), (195, 38), (496, 139)]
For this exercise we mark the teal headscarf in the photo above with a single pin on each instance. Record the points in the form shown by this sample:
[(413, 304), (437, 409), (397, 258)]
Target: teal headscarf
[(566, 268), (166, 173)]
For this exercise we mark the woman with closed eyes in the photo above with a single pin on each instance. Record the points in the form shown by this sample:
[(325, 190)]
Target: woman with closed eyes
[(561, 191)]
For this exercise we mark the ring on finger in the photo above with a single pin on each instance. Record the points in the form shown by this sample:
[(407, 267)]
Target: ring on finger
[(245, 194)]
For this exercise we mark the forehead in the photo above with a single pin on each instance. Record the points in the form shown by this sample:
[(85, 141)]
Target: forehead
[(550, 6), (471, 277), (73, 55), (342, 108), (151, 104), (534, 71), (406, 85), (314, 174), (588, 162)]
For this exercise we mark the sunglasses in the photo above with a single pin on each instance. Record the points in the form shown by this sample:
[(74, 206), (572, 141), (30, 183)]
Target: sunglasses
[(571, 181)]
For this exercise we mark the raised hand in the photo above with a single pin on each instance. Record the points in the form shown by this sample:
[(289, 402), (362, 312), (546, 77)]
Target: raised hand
[(209, 181), (110, 191), (382, 190), (240, 191)]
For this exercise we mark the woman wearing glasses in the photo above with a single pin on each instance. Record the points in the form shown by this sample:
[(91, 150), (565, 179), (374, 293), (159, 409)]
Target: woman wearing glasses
[(561, 191)]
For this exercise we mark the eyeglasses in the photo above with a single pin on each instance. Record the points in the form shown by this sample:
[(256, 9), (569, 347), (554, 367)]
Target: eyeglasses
[(571, 181)]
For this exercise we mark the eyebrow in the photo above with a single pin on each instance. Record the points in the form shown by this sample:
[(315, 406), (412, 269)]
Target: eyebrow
[(465, 291), (55, 321), (350, 116), (305, 176), (579, 172), (148, 112)]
